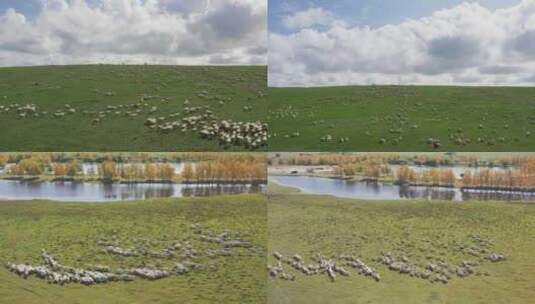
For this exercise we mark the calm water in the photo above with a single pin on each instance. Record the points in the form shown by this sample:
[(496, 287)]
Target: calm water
[(375, 191), (97, 192)]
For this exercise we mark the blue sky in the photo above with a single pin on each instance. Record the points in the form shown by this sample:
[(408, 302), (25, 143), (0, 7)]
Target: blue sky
[(29, 8), (373, 13)]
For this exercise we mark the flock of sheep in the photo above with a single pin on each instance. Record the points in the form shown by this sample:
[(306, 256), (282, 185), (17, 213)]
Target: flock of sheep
[(184, 255), (433, 269), (54, 272), (320, 265), (200, 119), (251, 135), (393, 127), (254, 134)]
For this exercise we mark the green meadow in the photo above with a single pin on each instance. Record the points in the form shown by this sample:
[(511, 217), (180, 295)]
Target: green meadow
[(423, 231), (121, 98), (402, 118), (71, 231)]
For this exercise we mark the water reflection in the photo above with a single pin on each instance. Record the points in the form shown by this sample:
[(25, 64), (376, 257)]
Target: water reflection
[(447, 194), (220, 189), (377, 191), (498, 196), (97, 192)]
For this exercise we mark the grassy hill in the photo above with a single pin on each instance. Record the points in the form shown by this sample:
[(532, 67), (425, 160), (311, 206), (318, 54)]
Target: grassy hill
[(402, 118), (109, 93), (423, 231), (71, 231)]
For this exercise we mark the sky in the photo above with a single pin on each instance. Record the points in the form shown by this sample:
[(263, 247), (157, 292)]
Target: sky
[(443, 42), (45, 32)]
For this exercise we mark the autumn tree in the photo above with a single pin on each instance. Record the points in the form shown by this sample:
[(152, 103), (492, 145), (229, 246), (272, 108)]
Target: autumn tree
[(447, 177), (16, 170), (150, 171), (59, 169), (31, 166), (108, 170), (187, 172), (73, 168), (3, 160), (406, 175), (468, 179), (167, 172)]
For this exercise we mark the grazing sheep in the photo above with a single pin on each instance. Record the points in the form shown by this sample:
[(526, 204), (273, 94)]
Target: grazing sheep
[(496, 257)]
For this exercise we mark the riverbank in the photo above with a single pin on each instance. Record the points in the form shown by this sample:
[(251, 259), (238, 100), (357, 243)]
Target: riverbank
[(71, 232), (455, 181), (426, 232), (377, 191)]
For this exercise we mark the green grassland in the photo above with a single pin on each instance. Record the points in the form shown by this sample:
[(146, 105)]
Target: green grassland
[(402, 118), (70, 232), (308, 225), (92, 88)]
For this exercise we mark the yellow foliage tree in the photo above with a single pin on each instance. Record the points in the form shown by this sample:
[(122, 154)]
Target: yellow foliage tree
[(59, 169), (108, 170)]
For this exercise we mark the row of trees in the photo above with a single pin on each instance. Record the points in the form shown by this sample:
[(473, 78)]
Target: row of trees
[(66, 169), (406, 175), (137, 166), (229, 169), (28, 166), (324, 159), (443, 177), (370, 168), (110, 170), (49, 158), (521, 178), (499, 179), (314, 159), (225, 170), (426, 159)]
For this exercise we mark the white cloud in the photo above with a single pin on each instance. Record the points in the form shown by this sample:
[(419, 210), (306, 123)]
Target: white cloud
[(135, 31), (468, 44), (307, 18)]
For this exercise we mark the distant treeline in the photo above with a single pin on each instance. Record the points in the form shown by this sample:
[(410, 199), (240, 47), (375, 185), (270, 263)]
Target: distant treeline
[(372, 168), (434, 177), (123, 157), (214, 167), (518, 170), (110, 170), (425, 159), (522, 178), (225, 170), (325, 159)]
